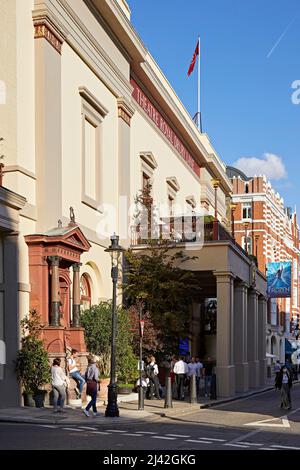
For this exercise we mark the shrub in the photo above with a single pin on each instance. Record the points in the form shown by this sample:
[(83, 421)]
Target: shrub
[(32, 363)]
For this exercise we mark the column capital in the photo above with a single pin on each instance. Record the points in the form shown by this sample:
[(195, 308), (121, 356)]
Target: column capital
[(47, 26), (224, 276), (253, 292), (76, 266), (54, 260), (125, 109), (241, 284)]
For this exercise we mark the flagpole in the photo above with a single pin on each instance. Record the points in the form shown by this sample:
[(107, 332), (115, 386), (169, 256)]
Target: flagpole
[(198, 110)]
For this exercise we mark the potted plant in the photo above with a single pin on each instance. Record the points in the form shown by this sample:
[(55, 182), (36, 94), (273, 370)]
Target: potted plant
[(32, 363), (125, 389)]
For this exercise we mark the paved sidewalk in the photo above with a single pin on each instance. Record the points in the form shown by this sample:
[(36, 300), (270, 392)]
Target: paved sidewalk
[(153, 410)]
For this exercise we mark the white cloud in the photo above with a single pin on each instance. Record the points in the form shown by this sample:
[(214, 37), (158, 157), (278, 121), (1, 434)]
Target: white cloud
[(269, 164)]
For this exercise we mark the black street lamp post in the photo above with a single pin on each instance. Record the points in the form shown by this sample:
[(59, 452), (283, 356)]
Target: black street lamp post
[(141, 368), (115, 251)]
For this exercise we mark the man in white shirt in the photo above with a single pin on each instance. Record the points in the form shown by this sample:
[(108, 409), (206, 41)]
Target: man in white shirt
[(180, 371), (73, 367)]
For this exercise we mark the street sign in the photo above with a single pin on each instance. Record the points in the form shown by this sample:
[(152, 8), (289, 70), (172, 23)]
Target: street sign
[(142, 323)]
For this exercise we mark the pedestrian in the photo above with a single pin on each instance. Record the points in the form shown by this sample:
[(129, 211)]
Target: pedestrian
[(208, 372), (199, 374), (152, 372), (59, 384), (92, 385), (180, 371), (285, 384), (74, 370), (277, 368), (145, 383)]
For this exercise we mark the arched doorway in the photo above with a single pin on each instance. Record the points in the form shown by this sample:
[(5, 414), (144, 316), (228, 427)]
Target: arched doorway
[(85, 292), (273, 345)]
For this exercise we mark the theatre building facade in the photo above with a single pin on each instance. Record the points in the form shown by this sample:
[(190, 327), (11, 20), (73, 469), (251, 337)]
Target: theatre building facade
[(89, 120)]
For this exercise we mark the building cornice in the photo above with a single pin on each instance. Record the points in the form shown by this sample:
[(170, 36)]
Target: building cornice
[(11, 199)]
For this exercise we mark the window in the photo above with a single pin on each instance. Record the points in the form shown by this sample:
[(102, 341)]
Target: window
[(246, 188), (171, 213), (85, 293), (92, 113), (247, 210), (247, 244)]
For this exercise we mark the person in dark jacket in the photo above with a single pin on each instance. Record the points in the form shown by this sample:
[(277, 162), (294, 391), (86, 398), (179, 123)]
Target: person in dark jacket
[(284, 384), (92, 381)]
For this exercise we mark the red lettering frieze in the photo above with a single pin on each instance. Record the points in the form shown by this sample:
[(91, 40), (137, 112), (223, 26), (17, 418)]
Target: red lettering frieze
[(159, 121)]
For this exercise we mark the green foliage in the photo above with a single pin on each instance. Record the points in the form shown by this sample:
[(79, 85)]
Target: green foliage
[(167, 291), (97, 324), (32, 364)]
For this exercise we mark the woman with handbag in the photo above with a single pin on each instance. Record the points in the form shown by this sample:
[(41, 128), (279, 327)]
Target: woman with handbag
[(92, 385), (284, 384)]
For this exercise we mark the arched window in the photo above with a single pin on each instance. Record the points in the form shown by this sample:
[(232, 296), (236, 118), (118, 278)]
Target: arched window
[(85, 293), (247, 188)]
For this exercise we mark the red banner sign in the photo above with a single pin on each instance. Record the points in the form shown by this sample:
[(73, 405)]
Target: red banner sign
[(160, 122)]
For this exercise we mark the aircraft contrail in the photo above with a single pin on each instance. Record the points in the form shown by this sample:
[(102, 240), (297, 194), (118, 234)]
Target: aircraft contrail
[(282, 36)]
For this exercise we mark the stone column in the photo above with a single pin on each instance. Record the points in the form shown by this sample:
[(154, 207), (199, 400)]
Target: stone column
[(55, 291), (252, 343), (225, 369), (240, 337), (76, 295), (262, 323)]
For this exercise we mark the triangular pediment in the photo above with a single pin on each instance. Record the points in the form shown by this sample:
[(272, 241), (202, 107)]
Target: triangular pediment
[(173, 183), (76, 238)]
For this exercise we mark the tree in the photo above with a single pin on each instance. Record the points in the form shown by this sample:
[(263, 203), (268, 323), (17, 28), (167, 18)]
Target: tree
[(167, 291), (151, 342), (32, 363), (97, 325)]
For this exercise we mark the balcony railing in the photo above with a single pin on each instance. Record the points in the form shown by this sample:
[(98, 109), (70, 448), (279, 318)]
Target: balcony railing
[(185, 231)]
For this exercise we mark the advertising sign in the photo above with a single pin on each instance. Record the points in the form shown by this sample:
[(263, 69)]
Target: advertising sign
[(279, 277)]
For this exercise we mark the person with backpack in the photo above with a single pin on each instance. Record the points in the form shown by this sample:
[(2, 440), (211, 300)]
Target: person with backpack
[(152, 372)]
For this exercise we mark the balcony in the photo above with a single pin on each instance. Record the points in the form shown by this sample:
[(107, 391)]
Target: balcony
[(184, 229)]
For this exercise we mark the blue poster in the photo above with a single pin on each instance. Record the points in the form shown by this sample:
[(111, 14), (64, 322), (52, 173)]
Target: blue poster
[(279, 276)]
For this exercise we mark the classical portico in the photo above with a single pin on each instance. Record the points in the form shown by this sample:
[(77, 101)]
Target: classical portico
[(54, 264), (229, 317)]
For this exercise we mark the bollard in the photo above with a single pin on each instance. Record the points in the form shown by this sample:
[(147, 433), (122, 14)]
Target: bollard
[(193, 389), (168, 396), (141, 398)]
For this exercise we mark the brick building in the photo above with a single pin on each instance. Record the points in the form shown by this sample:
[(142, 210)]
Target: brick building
[(269, 231)]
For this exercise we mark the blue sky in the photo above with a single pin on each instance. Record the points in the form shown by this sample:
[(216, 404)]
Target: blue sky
[(246, 76)]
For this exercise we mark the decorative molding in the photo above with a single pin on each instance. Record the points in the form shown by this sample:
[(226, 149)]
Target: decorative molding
[(24, 287), (42, 30), (149, 159), (173, 182), (92, 101), (29, 211), (125, 110), (11, 199), (191, 200), (20, 169)]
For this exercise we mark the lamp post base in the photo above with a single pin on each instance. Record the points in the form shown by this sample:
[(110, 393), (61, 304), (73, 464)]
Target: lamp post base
[(112, 409)]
